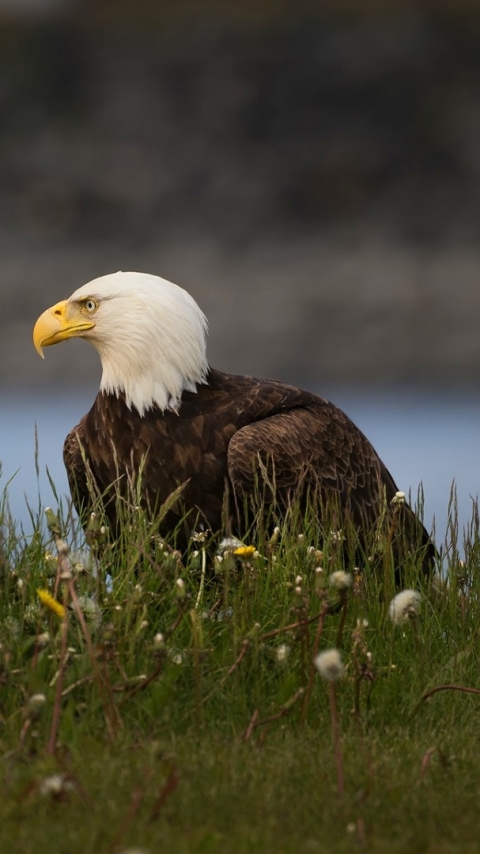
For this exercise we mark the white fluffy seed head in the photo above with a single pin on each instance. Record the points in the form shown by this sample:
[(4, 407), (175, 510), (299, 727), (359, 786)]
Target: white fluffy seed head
[(329, 665), (404, 606), (341, 580)]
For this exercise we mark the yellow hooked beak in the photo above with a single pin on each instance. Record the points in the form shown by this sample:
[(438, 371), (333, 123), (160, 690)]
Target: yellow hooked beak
[(61, 321)]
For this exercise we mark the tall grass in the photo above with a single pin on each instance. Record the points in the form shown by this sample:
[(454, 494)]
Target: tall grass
[(155, 699)]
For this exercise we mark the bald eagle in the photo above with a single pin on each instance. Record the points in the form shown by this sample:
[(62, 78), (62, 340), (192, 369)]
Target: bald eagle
[(236, 445)]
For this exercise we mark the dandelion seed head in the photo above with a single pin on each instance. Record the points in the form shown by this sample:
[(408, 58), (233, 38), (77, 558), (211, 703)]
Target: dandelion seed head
[(43, 639), (34, 706), (179, 589), (228, 544), (13, 626), (329, 665), (341, 580), (158, 641), (282, 652), (404, 606), (91, 610), (55, 785), (32, 613)]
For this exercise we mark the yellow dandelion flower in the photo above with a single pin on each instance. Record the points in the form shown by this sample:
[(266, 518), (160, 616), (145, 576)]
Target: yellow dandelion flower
[(244, 551), (49, 602)]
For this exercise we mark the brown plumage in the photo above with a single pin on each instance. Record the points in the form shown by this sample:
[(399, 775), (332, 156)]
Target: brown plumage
[(241, 449), (225, 438)]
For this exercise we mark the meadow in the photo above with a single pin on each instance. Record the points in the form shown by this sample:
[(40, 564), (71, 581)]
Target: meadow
[(151, 701)]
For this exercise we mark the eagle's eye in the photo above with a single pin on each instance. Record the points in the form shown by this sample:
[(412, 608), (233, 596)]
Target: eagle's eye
[(90, 305)]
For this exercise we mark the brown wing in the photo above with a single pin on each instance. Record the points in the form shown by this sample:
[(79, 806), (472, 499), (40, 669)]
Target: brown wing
[(316, 446)]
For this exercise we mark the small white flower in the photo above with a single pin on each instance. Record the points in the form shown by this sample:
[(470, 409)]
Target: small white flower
[(341, 580), (329, 664), (404, 606), (398, 498)]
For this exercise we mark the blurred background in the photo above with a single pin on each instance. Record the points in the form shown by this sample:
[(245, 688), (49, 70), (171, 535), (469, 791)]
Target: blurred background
[(310, 172)]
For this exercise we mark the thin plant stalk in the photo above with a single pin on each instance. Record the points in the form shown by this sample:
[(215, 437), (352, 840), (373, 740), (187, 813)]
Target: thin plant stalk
[(332, 693), (57, 705), (311, 678)]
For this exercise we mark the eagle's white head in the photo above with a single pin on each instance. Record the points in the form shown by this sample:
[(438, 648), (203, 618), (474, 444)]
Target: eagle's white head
[(150, 334)]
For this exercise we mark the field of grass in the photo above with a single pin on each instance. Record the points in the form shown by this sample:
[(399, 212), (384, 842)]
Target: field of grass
[(150, 703)]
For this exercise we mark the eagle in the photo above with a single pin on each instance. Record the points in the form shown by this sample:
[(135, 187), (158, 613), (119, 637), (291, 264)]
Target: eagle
[(237, 451)]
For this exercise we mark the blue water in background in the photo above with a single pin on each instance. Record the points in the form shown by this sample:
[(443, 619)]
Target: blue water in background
[(429, 439)]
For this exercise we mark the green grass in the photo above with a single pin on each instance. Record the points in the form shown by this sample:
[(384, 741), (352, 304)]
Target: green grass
[(188, 718)]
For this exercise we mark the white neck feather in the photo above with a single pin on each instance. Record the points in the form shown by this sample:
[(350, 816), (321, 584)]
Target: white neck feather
[(151, 337)]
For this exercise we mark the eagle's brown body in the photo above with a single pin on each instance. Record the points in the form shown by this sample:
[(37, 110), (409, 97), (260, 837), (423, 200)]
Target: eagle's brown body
[(213, 445)]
